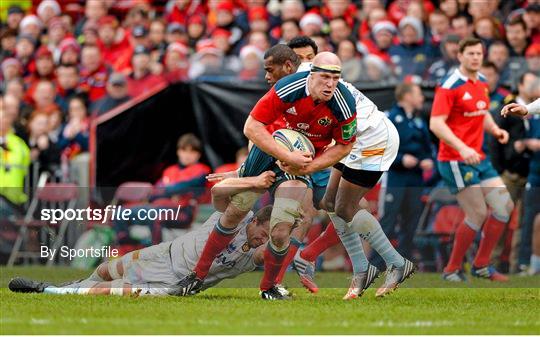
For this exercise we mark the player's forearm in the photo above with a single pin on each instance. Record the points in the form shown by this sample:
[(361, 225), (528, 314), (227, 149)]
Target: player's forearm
[(533, 107), (330, 157), (445, 134), (489, 124), (256, 132), (232, 186)]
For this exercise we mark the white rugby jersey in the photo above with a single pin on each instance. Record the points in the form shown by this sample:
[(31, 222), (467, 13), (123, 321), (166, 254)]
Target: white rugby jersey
[(367, 113), (233, 261)]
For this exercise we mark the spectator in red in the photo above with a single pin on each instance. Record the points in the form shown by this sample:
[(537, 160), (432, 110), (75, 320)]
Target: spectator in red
[(69, 51), (533, 58), (32, 26), (251, 58), (44, 95), (156, 37), (141, 80), (311, 24), (383, 36), (398, 9), (8, 42), (225, 20), (481, 8), (90, 33), (187, 178), (114, 43), (336, 9), (182, 10), (176, 33), (47, 10), (340, 30), (24, 52), (289, 30), (176, 63), (93, 11), (377, 14), (258, 19), (67, 79), (222, 40), (14, 17), (462, 26), (439, 26), (94, 73), (208, 61), (532, 18), (44, 70), (487, 29), (11, 68), (116, 94), (196, 29), (137, 16), (56, 33)]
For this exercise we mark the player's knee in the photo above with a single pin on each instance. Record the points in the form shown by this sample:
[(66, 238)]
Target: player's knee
[(501, 203), (280, 236), (285, 210), (479, 216), (344, 211)]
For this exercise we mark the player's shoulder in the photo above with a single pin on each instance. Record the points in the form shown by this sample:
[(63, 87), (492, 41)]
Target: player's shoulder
[(292, 87), (342, 104), (453, 80)]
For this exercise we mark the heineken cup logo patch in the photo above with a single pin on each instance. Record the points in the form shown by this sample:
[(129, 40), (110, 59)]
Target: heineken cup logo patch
[(349, 130)]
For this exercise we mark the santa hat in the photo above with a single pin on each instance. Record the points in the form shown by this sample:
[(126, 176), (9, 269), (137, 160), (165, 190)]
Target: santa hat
[(250, 49), (311, 18), (30, 20), (49, 4)]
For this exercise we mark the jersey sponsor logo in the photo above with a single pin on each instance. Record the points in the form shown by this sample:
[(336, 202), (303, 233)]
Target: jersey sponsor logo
[(475, 113), (291, 111), (245, 247), (467, 96), (398, 119), (481, 105), (303, 126), (325, 121), (348, 130)]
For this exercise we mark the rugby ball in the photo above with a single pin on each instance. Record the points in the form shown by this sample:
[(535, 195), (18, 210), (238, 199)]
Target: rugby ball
[(293, 140)]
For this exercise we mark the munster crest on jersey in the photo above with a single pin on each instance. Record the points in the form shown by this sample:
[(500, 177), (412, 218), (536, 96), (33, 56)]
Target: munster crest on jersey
[(325, 121), (245, 247)]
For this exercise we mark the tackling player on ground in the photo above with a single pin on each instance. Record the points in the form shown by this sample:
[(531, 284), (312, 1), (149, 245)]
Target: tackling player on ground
[(156, 270), (459, 116)]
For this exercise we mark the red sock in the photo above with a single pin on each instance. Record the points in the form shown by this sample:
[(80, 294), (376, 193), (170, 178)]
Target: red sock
[(286, 262), (272, 266), (507, 246), (328, 239), (217, 242), (462, 241), (491, 233)]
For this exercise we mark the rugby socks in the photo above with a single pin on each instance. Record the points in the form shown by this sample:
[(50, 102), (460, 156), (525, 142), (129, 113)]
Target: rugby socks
[(273, 261), (293, 248), (535, 264), (369, 228), (218, 240), (463, 239), (352, 243), (328, 239), (76, 288), (491, 233)]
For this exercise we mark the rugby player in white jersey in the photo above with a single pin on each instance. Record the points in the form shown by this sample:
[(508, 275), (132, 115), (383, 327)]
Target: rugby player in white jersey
[(156, 270)]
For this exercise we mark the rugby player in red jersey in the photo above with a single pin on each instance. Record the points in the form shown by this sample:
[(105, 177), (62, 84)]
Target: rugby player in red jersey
[(299, 101), (459, 116)]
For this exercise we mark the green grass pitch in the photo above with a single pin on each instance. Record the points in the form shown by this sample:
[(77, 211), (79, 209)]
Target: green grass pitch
[(425, 305)]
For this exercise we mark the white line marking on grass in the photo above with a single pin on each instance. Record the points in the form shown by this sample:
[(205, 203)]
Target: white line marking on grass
[(40, 321)]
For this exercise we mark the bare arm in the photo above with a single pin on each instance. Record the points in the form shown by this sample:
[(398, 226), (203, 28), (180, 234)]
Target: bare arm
[(438, 125), (492, 128), (222, 191), (258, 256)]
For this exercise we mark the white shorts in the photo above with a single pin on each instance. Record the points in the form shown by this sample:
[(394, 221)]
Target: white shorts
[(149, 270), (375, 149)]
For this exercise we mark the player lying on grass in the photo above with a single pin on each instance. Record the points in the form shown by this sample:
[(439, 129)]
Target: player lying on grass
[(156, 270)]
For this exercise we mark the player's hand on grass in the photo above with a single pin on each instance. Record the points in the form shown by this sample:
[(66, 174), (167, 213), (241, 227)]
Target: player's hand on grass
[(409, 161), (514, 109), (217, 177), (470, 156), (298, 159), (265, 180), (501, 135), (426, 164)]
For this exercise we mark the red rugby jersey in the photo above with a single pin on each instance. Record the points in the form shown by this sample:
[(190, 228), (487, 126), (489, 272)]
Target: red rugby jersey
[(465, 102)]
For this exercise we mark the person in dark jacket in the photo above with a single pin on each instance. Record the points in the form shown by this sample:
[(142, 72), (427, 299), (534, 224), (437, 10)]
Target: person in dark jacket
[(405, 179), (117, 93)]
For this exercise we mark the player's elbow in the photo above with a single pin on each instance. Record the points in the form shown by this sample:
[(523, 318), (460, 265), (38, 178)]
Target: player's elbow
[(434, 125)]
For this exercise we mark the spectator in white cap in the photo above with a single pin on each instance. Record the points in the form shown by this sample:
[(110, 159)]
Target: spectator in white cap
[(311, 24), (11, 68), (292, 10), (252, 63), (382, 38), (47, 10), (176, 62), (412, 55), (31, 25)]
